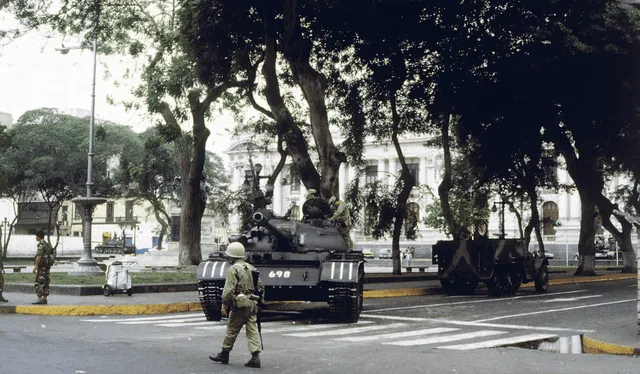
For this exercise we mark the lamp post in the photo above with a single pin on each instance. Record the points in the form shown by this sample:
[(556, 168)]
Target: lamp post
[(87, 265), (502, 203)]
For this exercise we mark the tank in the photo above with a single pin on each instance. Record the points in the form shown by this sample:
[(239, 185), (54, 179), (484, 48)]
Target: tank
[(503, 265), (114, 247), (305, 260)]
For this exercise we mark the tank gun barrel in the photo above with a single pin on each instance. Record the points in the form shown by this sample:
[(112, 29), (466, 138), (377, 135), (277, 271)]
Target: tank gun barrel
[(262, 220)]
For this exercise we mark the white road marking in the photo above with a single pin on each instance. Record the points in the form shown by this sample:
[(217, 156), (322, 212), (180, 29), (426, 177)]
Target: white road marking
[(564, 299), (555, 310), (353, 330), (477, 324), (214, 327), (181, 324), (309, 327), (499, 342), (488, 300), (173, 316), (191, 319), (395, 335), (447, 338)]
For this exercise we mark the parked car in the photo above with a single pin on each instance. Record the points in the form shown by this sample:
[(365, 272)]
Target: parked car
[(611, 254), (368, 253), (548, 255), (384, 253), (600, 255)]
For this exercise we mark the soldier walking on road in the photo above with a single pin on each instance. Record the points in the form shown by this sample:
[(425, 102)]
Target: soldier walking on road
[(42, 266), (2, 299), (342, 219), (240, 302)]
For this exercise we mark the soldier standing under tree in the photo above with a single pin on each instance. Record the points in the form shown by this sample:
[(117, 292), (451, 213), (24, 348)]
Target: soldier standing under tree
[(342, 218), (42, 265), (241, 304), (2, 299)]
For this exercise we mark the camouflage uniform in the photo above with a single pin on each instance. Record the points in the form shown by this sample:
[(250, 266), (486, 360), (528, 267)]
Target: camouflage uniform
[(44, 266), (2, 299), (342, 217), (235, 298)]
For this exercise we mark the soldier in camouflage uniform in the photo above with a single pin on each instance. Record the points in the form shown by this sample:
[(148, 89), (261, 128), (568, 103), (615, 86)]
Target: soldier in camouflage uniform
[(42, 265), (342, 219), (2, 299), (241, 304)]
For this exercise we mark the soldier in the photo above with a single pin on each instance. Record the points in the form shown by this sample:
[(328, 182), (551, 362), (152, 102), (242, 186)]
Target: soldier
[(42, 265), (2, 299), (342, 218), (241, 304)]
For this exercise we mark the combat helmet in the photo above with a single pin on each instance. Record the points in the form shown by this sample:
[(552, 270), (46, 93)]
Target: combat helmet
[(235, 250)]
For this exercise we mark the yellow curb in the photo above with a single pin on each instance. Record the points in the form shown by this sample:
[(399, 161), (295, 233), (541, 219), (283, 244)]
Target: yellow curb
[(594, 346), (373, 294), (598, 278), (88, 310)]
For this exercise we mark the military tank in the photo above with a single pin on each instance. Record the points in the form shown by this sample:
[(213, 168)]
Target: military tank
[(114, 247), (304, 260), (502, 264)]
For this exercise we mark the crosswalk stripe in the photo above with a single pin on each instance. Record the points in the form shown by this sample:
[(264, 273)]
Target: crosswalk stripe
[(188, 324), (447, 338), (214, 327), (200, 318), (499, 342), (173, 316), (347, 331), (309, 327), (405, 334)]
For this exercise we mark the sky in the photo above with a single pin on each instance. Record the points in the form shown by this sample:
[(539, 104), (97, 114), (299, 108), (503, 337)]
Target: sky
[(34, 75)]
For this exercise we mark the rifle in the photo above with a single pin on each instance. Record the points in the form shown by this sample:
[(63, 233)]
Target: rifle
[(257, 295)]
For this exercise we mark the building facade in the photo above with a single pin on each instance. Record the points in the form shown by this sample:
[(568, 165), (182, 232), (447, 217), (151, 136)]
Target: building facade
[(560, 212)]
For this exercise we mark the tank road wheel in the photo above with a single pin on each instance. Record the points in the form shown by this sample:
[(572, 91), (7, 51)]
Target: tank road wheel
[(448, 286), (210, 293), (542, 279), (499, 283)]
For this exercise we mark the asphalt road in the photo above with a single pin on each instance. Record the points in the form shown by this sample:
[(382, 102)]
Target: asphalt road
[(430, 334)]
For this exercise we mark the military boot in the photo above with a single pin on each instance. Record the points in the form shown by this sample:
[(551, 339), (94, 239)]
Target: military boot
[(41, 301), (255, 360), (2, 299), (222, 357)]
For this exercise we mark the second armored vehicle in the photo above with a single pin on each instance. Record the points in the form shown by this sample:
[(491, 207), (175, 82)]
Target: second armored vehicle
[(502, 264), (115, 247)]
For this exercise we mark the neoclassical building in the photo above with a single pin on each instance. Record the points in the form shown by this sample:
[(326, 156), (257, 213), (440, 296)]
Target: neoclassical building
[(426, 164)]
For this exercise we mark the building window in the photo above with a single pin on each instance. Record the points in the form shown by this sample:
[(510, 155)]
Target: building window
[(295, 185), (175, 228), (65, 214), (414, 169), (109, 212), (369, 220), (128, 210), (371, 174), (412, 217), (549, 218)]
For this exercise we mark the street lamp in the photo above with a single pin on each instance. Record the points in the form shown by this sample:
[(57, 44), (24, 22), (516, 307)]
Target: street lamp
[(494, 209), (87, 265)]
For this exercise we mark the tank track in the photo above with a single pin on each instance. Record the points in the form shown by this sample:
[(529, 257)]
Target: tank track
[(210, 293), (345, 301)]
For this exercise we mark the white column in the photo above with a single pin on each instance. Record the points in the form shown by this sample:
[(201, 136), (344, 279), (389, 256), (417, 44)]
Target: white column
[(277, 196), (381, 169), (392, 171), (343, 182), (423, 171), (236, 178)]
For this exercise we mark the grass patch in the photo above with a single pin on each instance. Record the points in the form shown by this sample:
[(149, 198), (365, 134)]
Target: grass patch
[(136, 278)]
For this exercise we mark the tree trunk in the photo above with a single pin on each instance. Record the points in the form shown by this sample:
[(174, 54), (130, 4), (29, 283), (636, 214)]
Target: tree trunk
[(158, 208), (286, 128), (586, 245), (446, 184), (623, 238), (313, 84), (407, 185)]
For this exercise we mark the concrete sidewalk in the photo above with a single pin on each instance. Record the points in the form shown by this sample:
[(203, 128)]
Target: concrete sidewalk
[(620, 339)]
